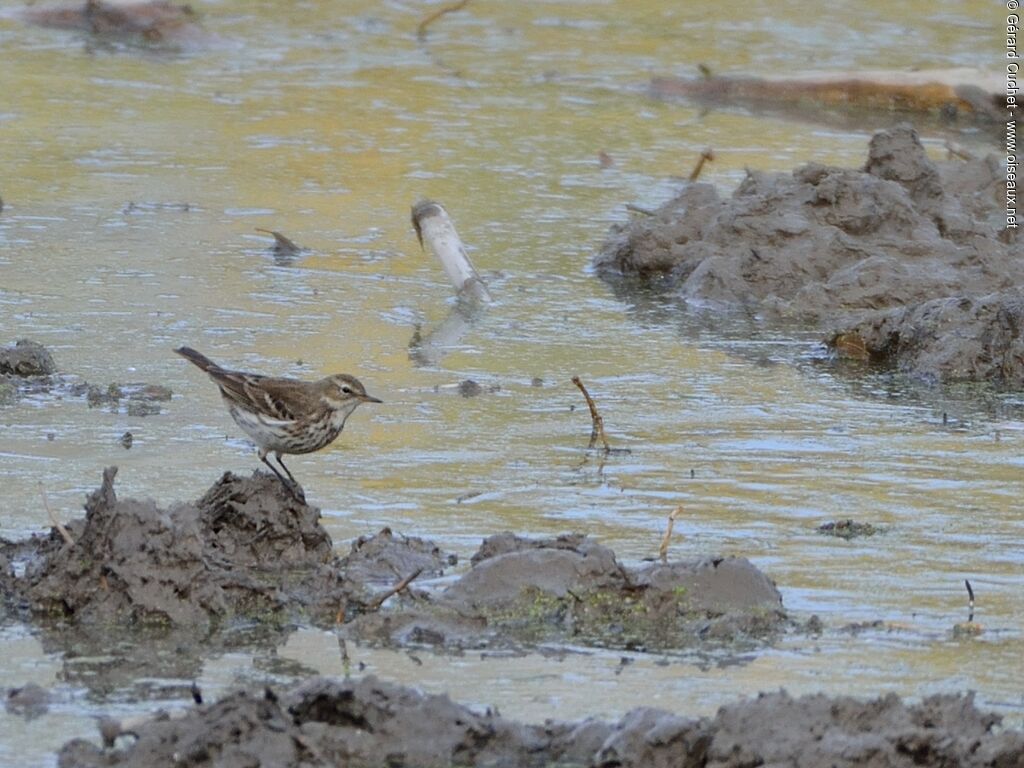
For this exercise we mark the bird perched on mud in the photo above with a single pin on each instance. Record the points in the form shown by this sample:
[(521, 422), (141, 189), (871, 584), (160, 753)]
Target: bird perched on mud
[(285, 415)]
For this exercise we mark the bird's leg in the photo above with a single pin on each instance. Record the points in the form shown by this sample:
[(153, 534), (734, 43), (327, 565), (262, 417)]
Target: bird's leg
[(277, 455), (291, 486), (296, 488)]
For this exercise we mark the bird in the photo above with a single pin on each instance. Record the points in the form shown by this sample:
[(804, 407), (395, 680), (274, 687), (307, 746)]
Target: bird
[(283, 415)]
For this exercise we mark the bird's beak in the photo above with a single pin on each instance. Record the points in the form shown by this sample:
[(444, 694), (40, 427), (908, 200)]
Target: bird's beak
[(368, 399)]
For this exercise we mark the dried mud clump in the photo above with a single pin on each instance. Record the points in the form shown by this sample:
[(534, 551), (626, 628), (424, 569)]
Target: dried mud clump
[(246, 548), (573, 589), (368, 723), (905, 260)]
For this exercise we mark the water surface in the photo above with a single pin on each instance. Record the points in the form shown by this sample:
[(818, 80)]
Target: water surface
[(133, 184)]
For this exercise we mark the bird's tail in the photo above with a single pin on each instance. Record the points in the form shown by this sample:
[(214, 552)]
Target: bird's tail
[(198, 359)]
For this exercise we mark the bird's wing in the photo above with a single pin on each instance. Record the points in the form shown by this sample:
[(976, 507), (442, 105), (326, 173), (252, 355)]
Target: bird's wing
[(263, 395)]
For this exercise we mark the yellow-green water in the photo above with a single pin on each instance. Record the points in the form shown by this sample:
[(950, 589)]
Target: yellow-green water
[(327, 121)]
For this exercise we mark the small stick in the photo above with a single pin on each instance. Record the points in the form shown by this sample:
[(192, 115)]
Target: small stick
[(377, 603), (955, 150), (280, 241), (421, 30), (53, 518), (597, 429), (970, 593), (638, 209), (663, 549), (706, 156)]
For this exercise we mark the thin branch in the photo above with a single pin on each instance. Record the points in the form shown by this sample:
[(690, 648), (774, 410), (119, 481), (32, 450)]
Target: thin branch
[(706, 156), (379, 601), (663, 549), (597, 428), (53, 518), (281, 242), (421, 30), (638, 209), (955, 150)]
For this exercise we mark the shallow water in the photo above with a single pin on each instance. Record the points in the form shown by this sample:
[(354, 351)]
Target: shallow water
[(328, 127)]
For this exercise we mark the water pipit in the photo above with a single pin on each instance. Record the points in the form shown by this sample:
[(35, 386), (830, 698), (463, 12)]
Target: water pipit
[(285, 415)]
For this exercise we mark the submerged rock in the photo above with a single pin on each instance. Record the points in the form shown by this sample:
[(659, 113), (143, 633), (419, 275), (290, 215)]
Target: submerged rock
[(906, 256), (369, 722)]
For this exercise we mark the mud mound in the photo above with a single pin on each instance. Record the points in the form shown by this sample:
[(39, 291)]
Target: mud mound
[(572, 588), (387, 558), (844, 248), (960, 337), (503, 543), (372, 723), (26, 358), (247, 548)]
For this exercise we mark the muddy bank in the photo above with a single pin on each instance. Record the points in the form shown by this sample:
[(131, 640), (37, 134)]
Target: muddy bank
[(369, 722), (248, 550), (904, 261)]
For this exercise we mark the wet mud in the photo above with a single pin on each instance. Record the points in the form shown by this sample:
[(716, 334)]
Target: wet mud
[(247, 550), (23, 365), (369, 722), (904, 261), (848, 529), (26, 358), (572, 589), (27, 367), (169, 585)]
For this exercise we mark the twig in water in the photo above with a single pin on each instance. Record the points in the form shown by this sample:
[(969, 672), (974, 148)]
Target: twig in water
[(663, 549), (638, 209), (706, 156), (53, 518), (970, 593), (597, 428), (955, 150), (421, 30), (377, 603), (281, 242)]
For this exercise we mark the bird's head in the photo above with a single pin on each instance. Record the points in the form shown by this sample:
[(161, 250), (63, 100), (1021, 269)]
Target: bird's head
[(344, 391)]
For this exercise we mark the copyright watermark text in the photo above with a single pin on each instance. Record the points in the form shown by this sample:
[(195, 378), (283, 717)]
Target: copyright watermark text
[(1012, 103)]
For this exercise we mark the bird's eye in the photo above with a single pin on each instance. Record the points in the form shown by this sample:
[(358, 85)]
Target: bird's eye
[(346, 390)]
